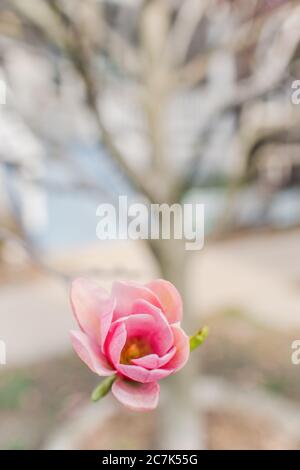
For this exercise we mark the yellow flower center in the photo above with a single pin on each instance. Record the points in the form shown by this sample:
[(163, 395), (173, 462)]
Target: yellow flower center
[(134, 349)]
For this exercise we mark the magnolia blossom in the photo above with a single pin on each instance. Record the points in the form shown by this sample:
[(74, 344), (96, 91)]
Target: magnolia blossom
[(133, 333)]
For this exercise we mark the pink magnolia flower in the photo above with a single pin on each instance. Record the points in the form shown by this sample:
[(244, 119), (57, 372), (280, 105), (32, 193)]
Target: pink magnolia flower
[(134, 333)]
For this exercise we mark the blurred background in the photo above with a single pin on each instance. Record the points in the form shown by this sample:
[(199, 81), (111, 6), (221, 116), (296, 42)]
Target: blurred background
[(163, 101)]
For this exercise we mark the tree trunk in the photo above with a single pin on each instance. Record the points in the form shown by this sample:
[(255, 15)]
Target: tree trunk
[(180, 421)]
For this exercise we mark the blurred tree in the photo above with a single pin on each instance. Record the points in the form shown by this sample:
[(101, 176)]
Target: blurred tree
[(203, 61)]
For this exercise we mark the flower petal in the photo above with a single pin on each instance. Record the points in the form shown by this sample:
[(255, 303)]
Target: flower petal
[(169, 298), (105, 320), (150, 326), (92, 307), (153, 361), (127, 293), (182, 345), (140, 374), (137, 397), (90, 353), (116, 340)]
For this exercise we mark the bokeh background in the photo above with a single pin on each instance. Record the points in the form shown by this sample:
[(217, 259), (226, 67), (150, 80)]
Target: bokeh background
[(163, 101)]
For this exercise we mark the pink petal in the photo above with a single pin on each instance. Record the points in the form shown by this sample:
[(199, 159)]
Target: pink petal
[(182, 345), (140, 374), (153, 361), (105, 320), (150, 326), (90, 353), (144, 307), (169, 298), (137, 397), (92, 307), (127, 293), (116, 340)]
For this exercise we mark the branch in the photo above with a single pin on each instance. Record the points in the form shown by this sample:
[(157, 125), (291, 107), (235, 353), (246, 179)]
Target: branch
[(80, 58), (239, 40), (122, 53), (188, 18), (41, 15)]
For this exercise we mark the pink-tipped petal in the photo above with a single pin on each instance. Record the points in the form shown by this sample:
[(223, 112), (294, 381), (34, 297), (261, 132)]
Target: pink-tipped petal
[(182, 345), (169, 298), (92, 307), (140, 374), (105, 321), (90, 353), (153, 361), (116, 340), (137, 397), (163, 333), (152, 327), (127, 293), (143, 307)]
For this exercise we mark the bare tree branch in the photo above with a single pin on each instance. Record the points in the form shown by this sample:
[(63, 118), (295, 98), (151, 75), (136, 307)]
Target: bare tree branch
[(188, 18)]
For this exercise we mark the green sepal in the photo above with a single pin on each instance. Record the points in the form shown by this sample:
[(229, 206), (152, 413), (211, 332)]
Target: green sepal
[(198, 338), (103, 388)]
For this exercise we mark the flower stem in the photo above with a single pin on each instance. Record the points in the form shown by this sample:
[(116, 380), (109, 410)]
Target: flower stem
[(103, 388), (198, 338)]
